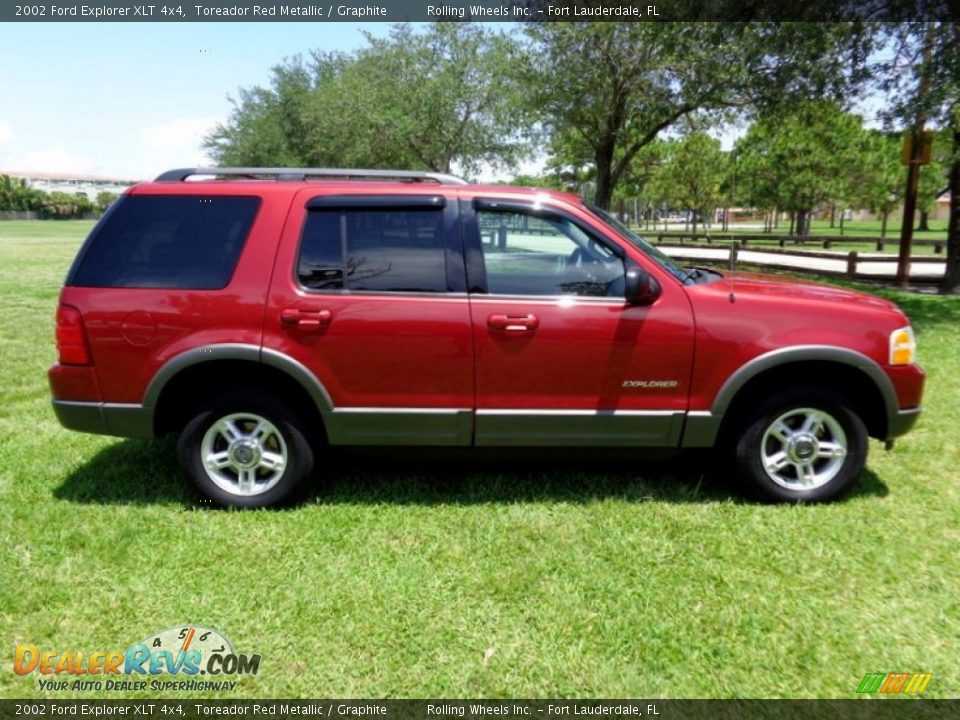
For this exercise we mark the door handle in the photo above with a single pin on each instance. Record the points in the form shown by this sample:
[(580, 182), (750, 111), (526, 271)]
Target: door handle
[(306, 319), (514, 323)]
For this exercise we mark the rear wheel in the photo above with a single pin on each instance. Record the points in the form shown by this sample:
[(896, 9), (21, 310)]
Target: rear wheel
[(801, 446), (246, 449)]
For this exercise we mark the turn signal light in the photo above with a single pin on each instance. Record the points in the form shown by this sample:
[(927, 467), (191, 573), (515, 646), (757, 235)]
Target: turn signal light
[(903, 346)]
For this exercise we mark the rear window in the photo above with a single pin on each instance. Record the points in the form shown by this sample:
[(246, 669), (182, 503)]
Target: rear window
[(394, 250), (167, 241)]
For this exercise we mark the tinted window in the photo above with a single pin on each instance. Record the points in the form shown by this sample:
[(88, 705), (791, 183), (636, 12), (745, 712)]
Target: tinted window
[(529, 255), (167, 242), (371, 249)]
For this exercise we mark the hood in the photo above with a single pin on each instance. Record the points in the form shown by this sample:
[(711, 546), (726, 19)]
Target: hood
[(744, 284)]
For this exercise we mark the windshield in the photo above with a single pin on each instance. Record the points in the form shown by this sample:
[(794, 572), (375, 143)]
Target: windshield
[(664, 261)]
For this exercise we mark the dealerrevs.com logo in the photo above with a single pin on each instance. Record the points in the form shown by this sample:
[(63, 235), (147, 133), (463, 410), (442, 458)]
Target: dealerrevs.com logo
[(170, 660)]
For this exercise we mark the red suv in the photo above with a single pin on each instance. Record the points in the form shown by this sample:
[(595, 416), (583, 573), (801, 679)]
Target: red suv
[(264, 314)]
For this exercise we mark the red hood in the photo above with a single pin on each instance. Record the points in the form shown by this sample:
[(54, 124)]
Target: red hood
[(742, 283)]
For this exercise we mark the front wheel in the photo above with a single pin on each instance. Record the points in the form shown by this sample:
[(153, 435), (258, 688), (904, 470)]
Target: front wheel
[(245, 449), (802, 446)]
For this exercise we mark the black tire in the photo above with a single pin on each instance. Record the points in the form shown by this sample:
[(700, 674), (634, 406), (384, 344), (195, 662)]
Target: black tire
[(807, 475), (268, 429)]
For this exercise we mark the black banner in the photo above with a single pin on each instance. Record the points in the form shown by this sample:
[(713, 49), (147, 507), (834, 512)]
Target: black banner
[(176, 11), (864, 709)]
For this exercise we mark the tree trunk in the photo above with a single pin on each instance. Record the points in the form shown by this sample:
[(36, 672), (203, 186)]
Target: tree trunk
[(801, 223), (604, 160), (883, 224), (951, 279), (843, 216), (793, 223), (924, 220), (833, 216)]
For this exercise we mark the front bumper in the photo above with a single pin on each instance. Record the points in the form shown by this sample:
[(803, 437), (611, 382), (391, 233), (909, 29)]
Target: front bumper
[(117, 419), (902, 422)]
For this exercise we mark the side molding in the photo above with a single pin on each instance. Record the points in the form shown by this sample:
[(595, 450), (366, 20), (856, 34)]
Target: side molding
[(593, 428)]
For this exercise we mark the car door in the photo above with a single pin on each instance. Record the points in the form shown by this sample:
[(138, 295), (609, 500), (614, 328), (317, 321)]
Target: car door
[(368, 296), (561, 357)]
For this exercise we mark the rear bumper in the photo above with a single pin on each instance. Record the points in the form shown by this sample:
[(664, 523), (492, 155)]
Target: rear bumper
[(105, 418)]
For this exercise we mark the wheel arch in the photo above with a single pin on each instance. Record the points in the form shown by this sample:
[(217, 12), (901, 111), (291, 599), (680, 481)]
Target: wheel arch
[(194, 374), (852, 375)]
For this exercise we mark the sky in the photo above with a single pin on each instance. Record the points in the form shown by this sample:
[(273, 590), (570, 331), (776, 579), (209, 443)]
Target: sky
[(131, 100)]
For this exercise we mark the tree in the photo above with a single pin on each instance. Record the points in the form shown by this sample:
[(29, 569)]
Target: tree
[(617, 86), (882, 187), (802, 160), (266, 126), (922, 78), (62, 206), (933, 179), (692, 174), (435, 99), (17, 196), (105, 199)]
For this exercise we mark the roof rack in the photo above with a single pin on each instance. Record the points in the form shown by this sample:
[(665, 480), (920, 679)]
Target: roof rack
[(181, 174)]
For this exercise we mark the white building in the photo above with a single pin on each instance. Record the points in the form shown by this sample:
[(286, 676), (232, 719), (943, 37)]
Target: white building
[(89, 185)]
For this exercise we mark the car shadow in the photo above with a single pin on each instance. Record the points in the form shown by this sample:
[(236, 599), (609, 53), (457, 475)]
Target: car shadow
[(145, 472)]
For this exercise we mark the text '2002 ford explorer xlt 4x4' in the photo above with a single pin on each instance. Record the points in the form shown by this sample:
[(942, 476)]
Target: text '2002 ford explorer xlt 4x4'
[(265, 314)]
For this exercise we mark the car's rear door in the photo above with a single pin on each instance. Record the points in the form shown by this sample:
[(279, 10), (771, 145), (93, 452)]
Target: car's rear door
[(369, 296)]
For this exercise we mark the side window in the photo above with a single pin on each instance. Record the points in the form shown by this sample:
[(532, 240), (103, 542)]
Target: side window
[(167, 241), (529, 255), (391, 249)]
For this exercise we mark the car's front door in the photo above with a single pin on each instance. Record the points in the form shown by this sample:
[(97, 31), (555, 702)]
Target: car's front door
[(561, 357), (368, 295)]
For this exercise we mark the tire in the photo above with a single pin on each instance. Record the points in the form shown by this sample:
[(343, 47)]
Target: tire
[(801, 446), (246, 449)]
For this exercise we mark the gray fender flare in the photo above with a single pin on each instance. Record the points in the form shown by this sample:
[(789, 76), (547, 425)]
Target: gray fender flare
[(702, 427), (238, 351)]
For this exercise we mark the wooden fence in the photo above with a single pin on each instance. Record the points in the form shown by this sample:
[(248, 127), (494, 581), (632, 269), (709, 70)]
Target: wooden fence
[(825, 241), (850, 265)]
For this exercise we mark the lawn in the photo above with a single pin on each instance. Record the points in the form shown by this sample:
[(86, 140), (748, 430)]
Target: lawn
[(419, 577), (820, 228)]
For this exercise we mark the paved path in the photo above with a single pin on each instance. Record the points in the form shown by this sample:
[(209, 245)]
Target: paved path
[(876, 264)]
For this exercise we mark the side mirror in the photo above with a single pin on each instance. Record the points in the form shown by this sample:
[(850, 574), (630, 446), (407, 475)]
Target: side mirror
[(642, 288)]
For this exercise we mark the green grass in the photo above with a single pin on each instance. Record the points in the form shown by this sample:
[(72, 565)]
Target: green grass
[(820, 228), (427, 578)]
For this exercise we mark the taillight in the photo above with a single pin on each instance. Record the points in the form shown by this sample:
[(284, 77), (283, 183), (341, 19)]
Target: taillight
[(71, 337)]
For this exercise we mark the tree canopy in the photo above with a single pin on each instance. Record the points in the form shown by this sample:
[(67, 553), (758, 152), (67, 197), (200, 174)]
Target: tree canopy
[(606, 90), (803, 159), (424, 100)]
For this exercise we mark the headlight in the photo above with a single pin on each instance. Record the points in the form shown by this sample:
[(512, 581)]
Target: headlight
[(903, 346)]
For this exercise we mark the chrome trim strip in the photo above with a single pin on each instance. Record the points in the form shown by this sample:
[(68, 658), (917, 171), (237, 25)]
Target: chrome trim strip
[(383, 293), (548, 299), (581, 413), (402, 410)]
